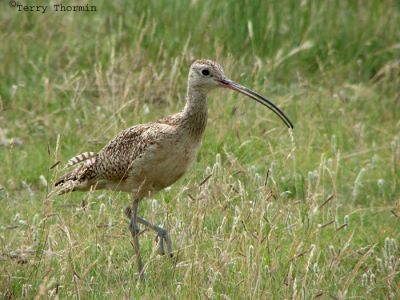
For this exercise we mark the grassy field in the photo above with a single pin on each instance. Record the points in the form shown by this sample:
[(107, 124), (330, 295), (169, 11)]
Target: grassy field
[(302, 214)]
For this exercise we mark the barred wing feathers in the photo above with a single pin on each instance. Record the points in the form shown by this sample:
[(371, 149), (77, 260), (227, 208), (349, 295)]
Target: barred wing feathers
[(110, 163)]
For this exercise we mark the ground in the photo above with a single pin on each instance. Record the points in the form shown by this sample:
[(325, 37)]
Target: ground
[(308, 213)]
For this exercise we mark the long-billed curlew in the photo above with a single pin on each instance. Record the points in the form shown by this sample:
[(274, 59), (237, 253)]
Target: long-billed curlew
[(147, 158)]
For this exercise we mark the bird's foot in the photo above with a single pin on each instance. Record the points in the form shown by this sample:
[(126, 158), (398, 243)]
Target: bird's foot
[(160, 238), (162, 234), (128, 212), (142, 276)]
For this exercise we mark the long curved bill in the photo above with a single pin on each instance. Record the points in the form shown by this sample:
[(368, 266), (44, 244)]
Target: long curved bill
[(260, 99)]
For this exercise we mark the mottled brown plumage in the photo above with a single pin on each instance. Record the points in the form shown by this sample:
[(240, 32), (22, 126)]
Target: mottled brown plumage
[(142, 159), (147, 158)]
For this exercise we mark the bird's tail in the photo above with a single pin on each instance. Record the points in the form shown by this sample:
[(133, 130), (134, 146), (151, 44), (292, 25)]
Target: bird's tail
[(77, 178), (67, 182), (65, 187), (80, 158)]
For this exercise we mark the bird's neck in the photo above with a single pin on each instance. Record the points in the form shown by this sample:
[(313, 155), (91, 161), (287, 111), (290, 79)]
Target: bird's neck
[(195, 112)]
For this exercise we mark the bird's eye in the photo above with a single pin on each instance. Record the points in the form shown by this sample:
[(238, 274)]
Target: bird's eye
[(205, 72)]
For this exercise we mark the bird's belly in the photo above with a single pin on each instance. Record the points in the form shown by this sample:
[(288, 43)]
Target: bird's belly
[(160, 169), (167, 173)]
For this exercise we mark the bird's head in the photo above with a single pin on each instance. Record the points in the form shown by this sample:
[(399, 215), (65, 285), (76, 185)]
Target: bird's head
[(205, 75)]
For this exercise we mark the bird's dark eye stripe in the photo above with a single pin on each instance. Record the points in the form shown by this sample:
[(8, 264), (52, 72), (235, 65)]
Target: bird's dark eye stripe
[(205, 72)]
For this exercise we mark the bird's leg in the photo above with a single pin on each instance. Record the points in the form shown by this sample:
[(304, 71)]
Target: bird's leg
[(162, 233), (128, 213), (134, 231), (131, 227)]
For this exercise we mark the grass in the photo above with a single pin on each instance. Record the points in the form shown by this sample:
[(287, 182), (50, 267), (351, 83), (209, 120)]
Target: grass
[(312, 213)]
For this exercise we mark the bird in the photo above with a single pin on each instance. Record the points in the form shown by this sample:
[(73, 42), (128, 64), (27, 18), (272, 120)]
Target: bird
[(147, 158)]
